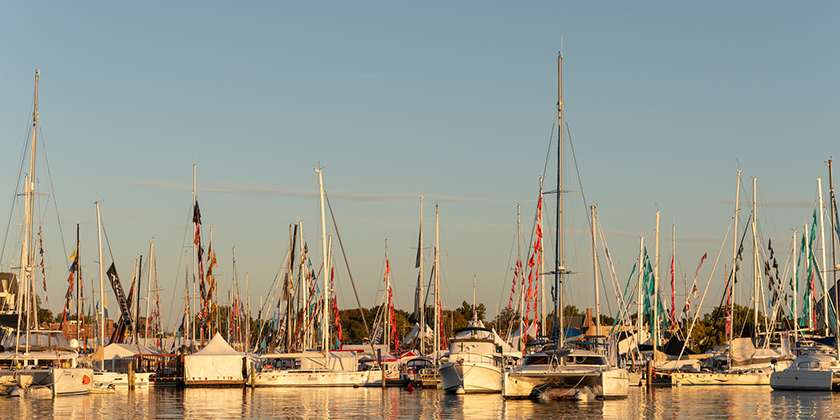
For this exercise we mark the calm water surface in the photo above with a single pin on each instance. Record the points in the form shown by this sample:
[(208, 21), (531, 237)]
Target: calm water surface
[(170, 403)]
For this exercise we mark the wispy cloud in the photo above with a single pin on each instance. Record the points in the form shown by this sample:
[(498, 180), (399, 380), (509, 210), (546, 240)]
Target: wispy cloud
[(285, 192), (775, 204)]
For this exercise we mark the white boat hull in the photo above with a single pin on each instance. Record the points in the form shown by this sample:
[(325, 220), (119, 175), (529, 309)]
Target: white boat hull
[(470, 378), (802, 380), (606, 384), (326, 378), (117, 379), (717, 379), (71, 381)]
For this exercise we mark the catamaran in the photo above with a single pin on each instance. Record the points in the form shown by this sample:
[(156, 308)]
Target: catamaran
[(555, 370)]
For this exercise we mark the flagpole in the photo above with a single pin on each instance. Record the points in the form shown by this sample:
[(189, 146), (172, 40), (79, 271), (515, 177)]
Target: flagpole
[(656, 291)]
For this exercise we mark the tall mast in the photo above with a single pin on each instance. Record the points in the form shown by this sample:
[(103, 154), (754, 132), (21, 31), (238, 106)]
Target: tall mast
[(101, 280), (421, 281), (734, 263), (756, 269), (559, 242), (824, 269), (325, 322), (655, 325), (806, 232), (149, 278), (27, 248), (437, 283), (304, 276), (640, 318), (195, 256), (79, 322), (520, 279), (387, 312), (795, 286), (595, 269), (543, 319), (832, 217)]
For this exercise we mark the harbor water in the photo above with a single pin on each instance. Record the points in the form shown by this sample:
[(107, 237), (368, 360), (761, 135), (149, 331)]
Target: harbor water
[(264, 403)]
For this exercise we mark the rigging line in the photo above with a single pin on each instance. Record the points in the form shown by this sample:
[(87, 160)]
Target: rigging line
[(347, 264), (52, 192), (27, 139)]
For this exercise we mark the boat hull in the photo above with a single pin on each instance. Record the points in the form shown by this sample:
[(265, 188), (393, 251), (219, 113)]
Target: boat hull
[(802, 380), (718, 379), (470, 378), (296, 378), (71, 381), (604, 384)]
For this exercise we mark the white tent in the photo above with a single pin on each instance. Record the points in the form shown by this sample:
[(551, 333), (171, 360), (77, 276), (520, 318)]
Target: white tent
[(216, 364), (121, 351)]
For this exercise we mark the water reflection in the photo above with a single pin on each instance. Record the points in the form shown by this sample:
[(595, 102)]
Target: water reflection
[(171, 403)]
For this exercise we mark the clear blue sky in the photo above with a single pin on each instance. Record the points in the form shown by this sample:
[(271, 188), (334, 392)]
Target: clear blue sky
[(455, 100)]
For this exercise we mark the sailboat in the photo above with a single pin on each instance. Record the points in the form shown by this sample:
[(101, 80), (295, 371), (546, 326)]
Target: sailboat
[(817, 370), (324, 368), (40, 359), (555, 370), (747, 361)]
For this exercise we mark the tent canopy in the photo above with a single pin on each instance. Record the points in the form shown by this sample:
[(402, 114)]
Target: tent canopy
[(218, 347)]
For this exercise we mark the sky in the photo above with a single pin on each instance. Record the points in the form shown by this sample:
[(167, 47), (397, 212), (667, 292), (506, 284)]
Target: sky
[(453, 100)]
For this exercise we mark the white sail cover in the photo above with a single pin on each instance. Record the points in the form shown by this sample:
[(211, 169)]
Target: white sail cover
[(217, 362)]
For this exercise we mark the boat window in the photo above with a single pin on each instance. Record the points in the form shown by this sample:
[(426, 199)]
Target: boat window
[(536, 360)]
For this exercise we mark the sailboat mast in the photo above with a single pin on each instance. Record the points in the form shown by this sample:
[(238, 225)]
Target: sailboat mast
[(833, 219), (149, 289), (559, 242), (824, 269), (325, 322), (756, 269), (387, 312), (27, 243), (79, 322), (420, 282), (655, 326), (304, 283), (595, 269), (438, 301), (640, 318), (194, 257), (543, 319), (795, 286), (521, 278), (101, 280), (734, 262)]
